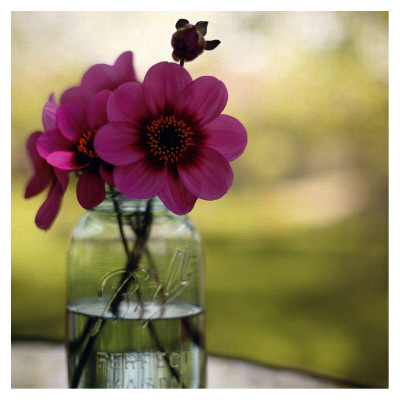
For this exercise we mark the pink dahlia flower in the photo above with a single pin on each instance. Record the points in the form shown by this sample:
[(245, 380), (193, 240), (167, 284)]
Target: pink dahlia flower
[(100, 77), (44, 176), (167, 137), (70, 147), (70, 128)]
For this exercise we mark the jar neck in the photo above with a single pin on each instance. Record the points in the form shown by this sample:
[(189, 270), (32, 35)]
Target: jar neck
[(115, 201)]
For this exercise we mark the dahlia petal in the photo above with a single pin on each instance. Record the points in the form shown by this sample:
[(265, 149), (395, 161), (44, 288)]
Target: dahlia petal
[(71, 121), (123, 68), (162, 85), (43, 174), (52, 141), (32, 149), (98, 77), (176, 197), (49, 114), (116, 142), (96, 113), (107, 173), (62, 177), (139, 180), (65, 160), (209, 177), (205, 98), (50, 208), (90, 189), (226, 135), (39, 181), (127, 104), (75, 95)]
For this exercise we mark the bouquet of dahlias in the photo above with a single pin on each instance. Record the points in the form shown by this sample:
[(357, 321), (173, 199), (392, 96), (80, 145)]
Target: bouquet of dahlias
[(165, 137)]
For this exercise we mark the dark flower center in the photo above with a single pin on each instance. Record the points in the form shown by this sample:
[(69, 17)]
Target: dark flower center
[(169, 138), (85, 144)]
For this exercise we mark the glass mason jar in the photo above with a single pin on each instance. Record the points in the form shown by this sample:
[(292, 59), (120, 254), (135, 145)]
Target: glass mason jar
[(135, 298)]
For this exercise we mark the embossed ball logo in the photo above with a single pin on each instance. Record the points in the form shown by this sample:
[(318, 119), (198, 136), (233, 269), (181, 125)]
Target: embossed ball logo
[(153, 291)]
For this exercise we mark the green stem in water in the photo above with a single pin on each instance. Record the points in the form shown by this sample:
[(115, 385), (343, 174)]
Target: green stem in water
[(119, 216)]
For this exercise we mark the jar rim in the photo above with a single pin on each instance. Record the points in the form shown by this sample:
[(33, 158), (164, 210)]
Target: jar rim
[(128, 203)]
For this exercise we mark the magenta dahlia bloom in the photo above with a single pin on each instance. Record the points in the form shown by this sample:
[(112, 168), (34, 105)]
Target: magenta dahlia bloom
[(100, 77), (167, 137), (70, 147), (44, 176), (68, 140)]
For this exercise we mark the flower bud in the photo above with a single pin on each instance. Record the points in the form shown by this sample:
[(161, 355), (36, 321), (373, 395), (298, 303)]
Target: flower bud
[(188, 43)]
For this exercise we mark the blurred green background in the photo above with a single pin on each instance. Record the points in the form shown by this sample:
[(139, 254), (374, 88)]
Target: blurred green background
[(297, 251)]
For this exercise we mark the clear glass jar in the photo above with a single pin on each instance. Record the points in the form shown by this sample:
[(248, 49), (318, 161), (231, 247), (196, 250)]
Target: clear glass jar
[(135, 299)]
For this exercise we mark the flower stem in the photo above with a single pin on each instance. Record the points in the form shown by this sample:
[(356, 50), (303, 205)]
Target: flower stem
[(119, 216), (92, 323)]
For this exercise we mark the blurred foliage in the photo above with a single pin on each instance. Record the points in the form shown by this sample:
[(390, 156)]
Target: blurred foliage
[(296, 252)]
